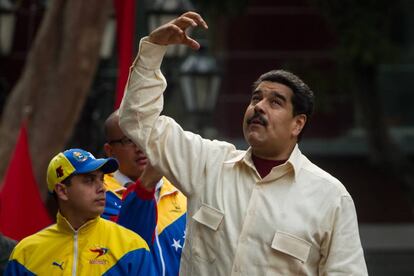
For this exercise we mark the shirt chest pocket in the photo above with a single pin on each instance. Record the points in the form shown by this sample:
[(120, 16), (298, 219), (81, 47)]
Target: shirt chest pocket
[(288, 255), (206, 230), (291, 245)]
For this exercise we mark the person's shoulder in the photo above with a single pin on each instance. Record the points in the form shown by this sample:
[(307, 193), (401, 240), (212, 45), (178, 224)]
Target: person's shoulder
[(111, 183), (126, 236), (319, 177), (169, 187), (35, 241)]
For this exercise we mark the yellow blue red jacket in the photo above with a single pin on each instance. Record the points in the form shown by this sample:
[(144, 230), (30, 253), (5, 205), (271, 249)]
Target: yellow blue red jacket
[(113, 201), (161, 224), (99, 247)]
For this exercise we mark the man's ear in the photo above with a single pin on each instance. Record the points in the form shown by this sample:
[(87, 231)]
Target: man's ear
[(299, 123), (108, 150), (61, 191)]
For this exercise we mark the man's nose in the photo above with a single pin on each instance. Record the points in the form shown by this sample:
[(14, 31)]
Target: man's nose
[(259, 106), (101, 186), (137, 149)]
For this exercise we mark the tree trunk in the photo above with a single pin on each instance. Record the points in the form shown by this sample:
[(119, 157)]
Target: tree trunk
[(55, 82)]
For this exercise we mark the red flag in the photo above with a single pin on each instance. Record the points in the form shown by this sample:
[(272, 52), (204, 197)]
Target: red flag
[(22, 211), (125, 22)]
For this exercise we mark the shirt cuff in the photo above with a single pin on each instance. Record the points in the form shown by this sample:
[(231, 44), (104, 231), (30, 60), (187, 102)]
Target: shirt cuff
[(150, 55)]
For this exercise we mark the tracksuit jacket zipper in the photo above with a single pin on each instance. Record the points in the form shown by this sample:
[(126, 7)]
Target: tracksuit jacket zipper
[(75, 253)]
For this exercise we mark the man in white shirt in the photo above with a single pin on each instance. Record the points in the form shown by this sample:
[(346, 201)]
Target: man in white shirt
[(264, 211)]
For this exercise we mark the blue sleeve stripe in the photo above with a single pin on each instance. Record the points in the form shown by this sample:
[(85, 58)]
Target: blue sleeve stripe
[(112, 205), (137, 262), (15, 268), (139, 216)]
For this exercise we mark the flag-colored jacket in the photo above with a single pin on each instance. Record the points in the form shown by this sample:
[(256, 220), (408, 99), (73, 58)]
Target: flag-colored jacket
[(113, 201), (161, 224), (99, 247)]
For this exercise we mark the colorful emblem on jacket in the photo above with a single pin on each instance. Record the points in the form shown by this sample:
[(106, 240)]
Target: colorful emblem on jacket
[(100, 250), (80, 157)]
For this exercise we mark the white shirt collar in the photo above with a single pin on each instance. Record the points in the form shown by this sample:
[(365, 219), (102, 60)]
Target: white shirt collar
[(122, 178), (158, 189)]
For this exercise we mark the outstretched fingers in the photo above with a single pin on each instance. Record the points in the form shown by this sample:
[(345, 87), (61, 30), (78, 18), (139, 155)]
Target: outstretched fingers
[(174, 32), (197, 18), (184, 22), (179, 36), (192, 19), (193, 44)]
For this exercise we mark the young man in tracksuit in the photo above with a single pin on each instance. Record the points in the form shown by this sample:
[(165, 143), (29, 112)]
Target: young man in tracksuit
[(81, 242)]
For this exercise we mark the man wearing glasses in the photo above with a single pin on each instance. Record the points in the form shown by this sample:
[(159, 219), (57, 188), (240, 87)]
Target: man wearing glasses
[(151, 206), (132, 162)]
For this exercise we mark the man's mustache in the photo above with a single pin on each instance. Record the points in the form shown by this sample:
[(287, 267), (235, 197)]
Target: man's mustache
[(257, 118)]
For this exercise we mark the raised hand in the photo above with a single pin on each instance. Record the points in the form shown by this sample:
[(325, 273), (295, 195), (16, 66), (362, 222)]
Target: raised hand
[(173, 32), (150, 177)]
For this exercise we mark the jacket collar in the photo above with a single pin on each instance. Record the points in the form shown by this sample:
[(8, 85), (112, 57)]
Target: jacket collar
[(167, 188), (64, 225)]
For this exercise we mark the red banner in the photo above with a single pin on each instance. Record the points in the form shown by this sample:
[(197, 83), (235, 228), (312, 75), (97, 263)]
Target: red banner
[(22, 211), (125, 26)]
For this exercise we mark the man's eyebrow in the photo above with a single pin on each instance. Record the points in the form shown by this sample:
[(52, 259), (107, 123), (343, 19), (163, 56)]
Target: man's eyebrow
[(94, 174), (279, 96), (256, 91), (89, 174)]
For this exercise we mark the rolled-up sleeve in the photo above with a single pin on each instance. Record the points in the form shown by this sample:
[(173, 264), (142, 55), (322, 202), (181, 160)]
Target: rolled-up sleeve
[(142, 102), (180, 155)]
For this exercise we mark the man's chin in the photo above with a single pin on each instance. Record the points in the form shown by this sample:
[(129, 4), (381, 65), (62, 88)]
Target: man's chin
[(99, 211), (94, 214), (254, 139)]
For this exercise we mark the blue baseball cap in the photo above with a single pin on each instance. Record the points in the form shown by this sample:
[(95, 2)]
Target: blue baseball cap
[(76, 161)]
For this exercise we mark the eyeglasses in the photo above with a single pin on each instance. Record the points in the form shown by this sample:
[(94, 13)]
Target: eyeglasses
[(125, 141)]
